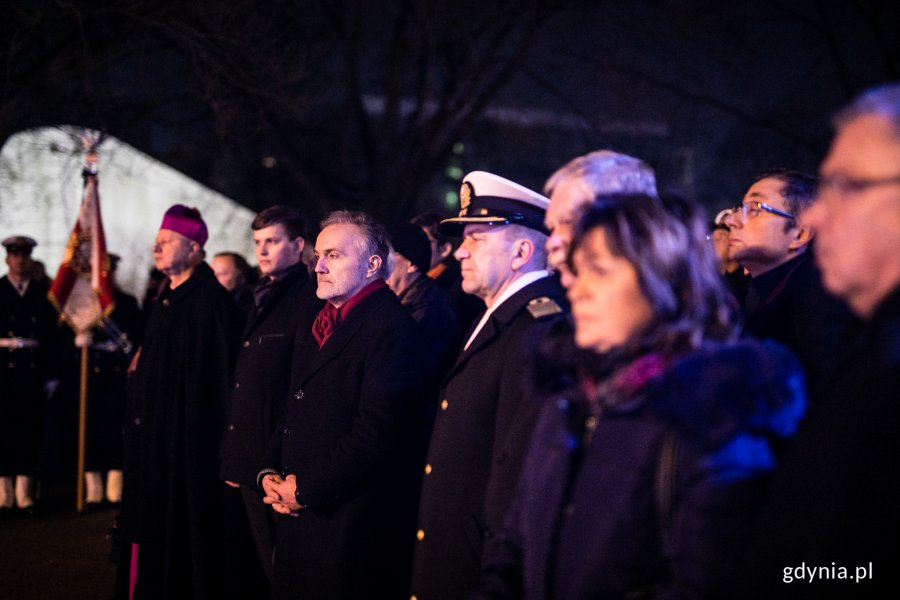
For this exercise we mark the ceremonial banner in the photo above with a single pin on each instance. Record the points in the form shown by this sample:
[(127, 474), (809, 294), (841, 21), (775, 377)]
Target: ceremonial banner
[(81, 291)]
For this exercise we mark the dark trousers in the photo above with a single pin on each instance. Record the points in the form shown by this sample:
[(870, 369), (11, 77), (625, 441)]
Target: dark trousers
[(262, 525)]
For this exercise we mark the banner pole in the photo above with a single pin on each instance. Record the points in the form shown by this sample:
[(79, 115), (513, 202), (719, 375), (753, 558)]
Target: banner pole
[(82, 427)]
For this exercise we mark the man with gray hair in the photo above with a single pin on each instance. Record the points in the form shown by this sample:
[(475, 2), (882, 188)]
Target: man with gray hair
[(834, 501), (486, 414), (343, 473), (580, 181)]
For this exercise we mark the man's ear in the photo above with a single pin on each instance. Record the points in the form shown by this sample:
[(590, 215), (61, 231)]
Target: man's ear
[(445, 249), (301, 244), (801, 236), (523, 250), (373, 265)]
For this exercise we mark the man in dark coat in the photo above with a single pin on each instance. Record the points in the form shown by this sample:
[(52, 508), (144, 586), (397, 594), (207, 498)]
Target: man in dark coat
[(285, 305), (173, 499), (833, 524), (427, 302), (345, 467), (28, 343), (444, 270), (486, 413), (785, 301)]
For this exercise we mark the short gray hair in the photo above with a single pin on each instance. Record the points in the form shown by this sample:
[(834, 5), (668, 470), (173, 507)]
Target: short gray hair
[(537, 239), (881, 100), (606, 172), (374, 241)]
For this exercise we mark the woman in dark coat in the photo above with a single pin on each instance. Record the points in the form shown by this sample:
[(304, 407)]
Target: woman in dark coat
[(652, 453)]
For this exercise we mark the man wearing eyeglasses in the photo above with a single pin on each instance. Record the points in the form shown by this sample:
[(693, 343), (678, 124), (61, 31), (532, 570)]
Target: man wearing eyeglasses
[(786, 301), (765, 231), (835, 498)]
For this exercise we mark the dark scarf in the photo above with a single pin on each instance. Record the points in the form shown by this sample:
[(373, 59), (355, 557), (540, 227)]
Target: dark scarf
[(262, 289)]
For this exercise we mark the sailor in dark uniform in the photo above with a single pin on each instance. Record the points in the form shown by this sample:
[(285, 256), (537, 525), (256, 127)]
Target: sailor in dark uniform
[(28, 326), (486, 412)]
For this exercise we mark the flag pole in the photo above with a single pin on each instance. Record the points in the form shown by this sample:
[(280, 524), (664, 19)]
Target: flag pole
[(82, 427)]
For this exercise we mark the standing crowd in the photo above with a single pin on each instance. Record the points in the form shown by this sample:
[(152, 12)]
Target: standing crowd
[(594, 392)]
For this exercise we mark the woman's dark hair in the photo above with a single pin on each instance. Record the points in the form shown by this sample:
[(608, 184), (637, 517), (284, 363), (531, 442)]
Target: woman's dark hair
[(665, 241)]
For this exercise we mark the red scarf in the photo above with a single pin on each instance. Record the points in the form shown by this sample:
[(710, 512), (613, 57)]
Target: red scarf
[(331, 316)]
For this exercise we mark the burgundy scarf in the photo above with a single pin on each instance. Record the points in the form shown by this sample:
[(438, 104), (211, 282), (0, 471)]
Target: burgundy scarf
[(331, 316)]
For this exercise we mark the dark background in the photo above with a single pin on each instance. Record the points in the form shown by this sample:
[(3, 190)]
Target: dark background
[(384, 105)]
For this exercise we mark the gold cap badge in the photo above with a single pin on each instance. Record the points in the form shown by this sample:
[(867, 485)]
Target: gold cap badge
[(465, 197)]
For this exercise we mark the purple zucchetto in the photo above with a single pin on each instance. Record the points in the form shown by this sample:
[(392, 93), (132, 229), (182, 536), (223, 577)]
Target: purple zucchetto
[(186, 221)]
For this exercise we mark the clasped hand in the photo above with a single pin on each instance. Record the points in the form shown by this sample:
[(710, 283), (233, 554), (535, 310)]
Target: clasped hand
[(281, 494)]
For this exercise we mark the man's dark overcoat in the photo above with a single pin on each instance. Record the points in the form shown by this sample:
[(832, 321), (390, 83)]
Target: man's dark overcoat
[(484, 420), (172, 497), (429, 305), (789, 305), (349, 437), (262, 374), (23, 372), (834, 499)]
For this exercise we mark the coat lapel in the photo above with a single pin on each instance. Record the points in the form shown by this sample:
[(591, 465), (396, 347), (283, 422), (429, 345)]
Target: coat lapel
[(343, 333), (484, 337), (505, 313), (295, 277)]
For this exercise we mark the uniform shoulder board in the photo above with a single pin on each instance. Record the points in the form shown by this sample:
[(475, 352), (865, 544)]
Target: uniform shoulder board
[(543, 306)]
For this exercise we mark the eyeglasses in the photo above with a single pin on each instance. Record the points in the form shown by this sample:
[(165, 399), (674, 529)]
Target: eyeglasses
[(750, 210), (848, 186)]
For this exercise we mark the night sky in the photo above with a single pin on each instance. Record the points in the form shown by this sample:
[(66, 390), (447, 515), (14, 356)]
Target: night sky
[(342, 104)]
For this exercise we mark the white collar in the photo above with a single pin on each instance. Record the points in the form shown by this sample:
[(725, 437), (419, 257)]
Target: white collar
[(514, 287), (20, 285)]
